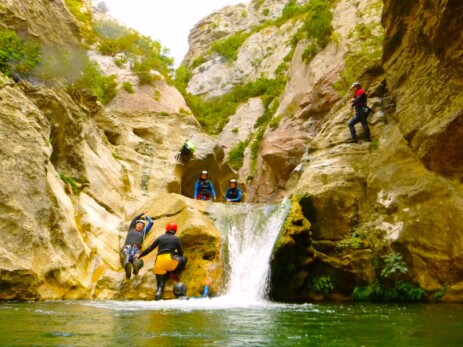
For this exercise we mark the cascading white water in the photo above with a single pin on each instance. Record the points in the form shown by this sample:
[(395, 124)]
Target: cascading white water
[(249, 233)]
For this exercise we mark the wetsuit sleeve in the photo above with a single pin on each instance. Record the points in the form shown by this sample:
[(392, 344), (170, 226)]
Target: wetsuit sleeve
[(150, 248), (134, 221), (196, 189), (205, 292), (212, 190), (149, 226), (238, 198)]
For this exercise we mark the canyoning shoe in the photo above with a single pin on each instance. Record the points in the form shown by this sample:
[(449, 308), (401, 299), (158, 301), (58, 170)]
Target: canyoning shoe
[(128, 270), (137, 266), (351, 141)]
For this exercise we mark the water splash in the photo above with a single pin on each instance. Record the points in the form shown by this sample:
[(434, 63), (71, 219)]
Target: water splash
[(249, 233)]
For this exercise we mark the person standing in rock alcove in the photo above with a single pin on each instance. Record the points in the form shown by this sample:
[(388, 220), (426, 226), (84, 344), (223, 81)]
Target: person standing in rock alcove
[(359, 103), (204, 190), (133, 244), (233, 193)]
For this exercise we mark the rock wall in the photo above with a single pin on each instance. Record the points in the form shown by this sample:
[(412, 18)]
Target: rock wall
[(403, 190), (75, 172)]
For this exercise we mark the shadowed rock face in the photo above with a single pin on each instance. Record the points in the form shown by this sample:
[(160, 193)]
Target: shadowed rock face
[(421, 55)]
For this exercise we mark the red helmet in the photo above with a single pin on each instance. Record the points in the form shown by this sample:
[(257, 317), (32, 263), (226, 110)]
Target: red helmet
[(171, 227)]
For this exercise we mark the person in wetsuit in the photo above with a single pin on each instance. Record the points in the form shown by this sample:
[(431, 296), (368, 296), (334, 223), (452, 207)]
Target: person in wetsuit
[(133, 244), (203, 188), (359, 103), (233, 193), (169, 258)]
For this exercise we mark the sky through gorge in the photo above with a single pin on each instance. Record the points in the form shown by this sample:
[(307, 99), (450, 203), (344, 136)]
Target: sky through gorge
[(168, 21)]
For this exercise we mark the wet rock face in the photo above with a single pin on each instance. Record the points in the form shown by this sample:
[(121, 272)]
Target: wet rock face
[(429, 112)]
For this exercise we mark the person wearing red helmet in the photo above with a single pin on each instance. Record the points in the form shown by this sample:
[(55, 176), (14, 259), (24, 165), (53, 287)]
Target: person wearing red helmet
[(359, 103), (169, 258)]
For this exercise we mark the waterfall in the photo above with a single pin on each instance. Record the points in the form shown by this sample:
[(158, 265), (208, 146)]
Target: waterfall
[(249, 232)]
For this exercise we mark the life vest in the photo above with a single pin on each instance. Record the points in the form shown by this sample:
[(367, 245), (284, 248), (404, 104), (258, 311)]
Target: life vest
[(134, 237), (232, 193), (360, 98), (204, 187)]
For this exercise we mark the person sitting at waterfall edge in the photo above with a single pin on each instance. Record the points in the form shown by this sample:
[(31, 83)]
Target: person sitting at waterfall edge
[(204, 189), (169, 258), (133, 244), (359, 103), (233, 193)]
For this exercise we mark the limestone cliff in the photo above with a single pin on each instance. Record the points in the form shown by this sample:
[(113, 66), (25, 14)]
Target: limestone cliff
[(74, 173), (398, 196)]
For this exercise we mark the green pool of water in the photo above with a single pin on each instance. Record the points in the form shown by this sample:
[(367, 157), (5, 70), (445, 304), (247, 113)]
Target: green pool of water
[(218, 322)]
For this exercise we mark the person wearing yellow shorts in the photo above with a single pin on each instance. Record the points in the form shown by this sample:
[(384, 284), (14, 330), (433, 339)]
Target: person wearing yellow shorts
[(170, 257)]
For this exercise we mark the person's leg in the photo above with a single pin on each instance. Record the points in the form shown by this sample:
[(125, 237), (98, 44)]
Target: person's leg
[(160, 282), (125, 253), (366, 129), (137, 263), (351, 124)]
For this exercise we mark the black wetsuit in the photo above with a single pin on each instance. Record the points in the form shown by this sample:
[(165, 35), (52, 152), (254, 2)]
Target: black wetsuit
[(359, 103), (167, 243), (134, 240)]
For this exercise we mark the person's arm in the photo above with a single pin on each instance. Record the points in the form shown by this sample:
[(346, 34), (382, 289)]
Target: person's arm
[(238, 198), (212, 190), (134, 220), (205, 291), (226, 194), (196, 189), (179, 247), (149, 249), (149, 226)]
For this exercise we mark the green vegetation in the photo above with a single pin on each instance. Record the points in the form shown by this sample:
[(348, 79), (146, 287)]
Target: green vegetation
[(390, 284), (440, 294), (322, 285), (229, 46), (71, 182), (146, 53), (84, 17), (257, 3), (92, 79), (213, 114), (16, 55), (128, 87), (236, 155), (365, 51), (393, 263), (182, 77), (198, 61), (275, 121), (317, 27), (401, 291), (116, 155)]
